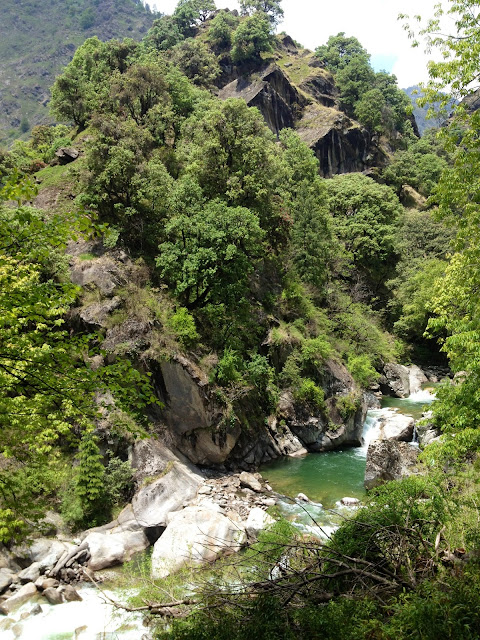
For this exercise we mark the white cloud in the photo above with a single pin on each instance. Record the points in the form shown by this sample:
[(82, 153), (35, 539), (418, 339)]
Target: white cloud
[(373, 22)]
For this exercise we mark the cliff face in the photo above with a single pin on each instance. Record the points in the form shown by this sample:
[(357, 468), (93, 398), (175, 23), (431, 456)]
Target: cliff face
[(297, 92)]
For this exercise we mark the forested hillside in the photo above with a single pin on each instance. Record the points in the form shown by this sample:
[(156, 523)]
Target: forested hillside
[(37, 39), (213, 261)]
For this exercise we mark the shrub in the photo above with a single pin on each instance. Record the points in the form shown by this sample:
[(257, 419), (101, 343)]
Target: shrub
[(362, 370), (182, 324), (315, 350), (310, 393)]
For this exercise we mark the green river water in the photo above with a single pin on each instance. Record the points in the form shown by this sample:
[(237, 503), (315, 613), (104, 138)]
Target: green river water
[(328, 477)]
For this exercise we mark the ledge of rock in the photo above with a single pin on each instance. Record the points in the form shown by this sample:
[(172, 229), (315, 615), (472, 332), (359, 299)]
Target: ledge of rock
[(389, 460), (193, 536)]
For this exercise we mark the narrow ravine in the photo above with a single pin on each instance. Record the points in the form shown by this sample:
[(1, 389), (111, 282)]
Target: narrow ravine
[(328, 477)]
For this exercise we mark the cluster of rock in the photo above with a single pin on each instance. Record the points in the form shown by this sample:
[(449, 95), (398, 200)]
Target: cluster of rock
[(392, 455), (51, 568)]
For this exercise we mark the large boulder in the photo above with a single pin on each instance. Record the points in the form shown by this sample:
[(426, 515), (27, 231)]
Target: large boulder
[(396, 426), (167, 483), (114, 547), (396, 380), (416, 378), (389, 460), (193, 536), (20, 597)]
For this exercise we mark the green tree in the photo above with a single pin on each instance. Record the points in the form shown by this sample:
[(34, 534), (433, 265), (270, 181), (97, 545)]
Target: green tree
[(210, 253), (251, 38), (340, 51), (271, 8), (194, 59)]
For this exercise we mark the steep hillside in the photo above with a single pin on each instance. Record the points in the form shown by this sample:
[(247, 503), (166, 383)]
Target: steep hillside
[(37, 39)]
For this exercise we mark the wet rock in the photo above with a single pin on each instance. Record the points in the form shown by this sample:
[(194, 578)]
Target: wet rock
[(194, 535), (250, 481), (257, 520), (53, 596), (71, 595), (389, 460), (397, 380), (302, 497), (36, 609), (20, 597), (350, 502), (397, 427), (416, 378), (46, 583)]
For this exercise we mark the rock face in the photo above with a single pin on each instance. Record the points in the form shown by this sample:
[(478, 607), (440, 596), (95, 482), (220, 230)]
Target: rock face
[(389, 460), (397, 427), (166, 483), (114, 547), (397, 380), (340, 144), (193, 536)]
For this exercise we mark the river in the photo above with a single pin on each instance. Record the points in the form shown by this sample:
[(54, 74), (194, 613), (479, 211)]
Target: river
[(328, 477), (324, 477)]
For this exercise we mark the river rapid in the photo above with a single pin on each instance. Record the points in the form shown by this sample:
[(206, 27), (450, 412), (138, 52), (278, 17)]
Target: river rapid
[(328, 477), (324, 477)]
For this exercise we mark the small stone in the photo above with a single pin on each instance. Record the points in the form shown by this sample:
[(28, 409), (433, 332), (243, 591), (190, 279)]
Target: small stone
[(205, 490), (350, 502), (53, 596), (36, 610), (70, 594), (270, 502), (302, 497), (268, 487)]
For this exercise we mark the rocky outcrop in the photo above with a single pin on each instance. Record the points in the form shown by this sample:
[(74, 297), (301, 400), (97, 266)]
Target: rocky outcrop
[(340, 144), (195, 535), (167, 483), (389, 460), (114, 547), (271, 92)]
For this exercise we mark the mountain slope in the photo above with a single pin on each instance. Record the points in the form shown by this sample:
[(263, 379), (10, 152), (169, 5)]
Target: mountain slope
[(37, 39)]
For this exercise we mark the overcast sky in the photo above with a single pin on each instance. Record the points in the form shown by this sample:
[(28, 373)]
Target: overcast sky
[(373, 22)]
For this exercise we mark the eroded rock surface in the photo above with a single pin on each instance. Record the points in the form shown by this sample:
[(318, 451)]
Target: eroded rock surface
[(389, 460), (193, 536)]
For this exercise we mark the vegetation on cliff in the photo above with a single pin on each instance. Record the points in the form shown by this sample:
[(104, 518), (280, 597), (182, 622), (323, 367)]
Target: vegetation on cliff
[(245, 262)]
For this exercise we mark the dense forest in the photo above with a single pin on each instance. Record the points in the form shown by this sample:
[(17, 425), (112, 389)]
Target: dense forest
[(217, 203)]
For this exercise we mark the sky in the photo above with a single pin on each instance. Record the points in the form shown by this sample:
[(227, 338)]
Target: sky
[(373, 22)]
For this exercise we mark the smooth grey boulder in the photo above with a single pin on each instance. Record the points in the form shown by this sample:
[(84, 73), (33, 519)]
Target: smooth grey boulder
[(397, 427), (397, 379), (416, 378), (193, 536), (350, 502), (389, 460), (20, 597), (114, 547), (169, 483), (30, 574)]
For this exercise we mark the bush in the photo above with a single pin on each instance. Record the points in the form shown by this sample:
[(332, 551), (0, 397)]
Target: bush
[(182, 324), (229, 368), (362, 370), (316, 350), (310, 393)]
